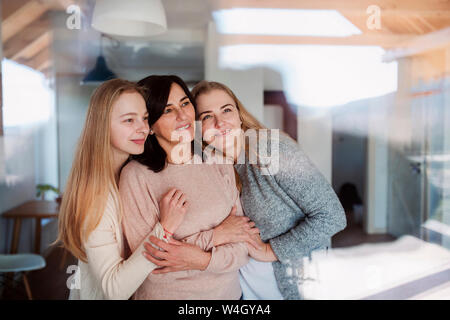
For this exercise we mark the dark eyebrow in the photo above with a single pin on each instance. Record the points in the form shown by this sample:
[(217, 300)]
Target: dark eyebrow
[(225, 105), (184, 98)]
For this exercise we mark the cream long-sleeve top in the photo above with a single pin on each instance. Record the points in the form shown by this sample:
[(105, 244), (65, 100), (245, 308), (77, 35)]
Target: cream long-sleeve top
[(107, 275), (211, 192)]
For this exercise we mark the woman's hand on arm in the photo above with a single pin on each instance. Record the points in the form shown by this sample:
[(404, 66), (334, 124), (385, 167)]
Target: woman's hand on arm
[(177, 256), (173, 207), (263, 253), (235, 229)]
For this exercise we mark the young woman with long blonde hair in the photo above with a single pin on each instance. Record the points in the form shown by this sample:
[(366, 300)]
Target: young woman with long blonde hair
[(91, 210)]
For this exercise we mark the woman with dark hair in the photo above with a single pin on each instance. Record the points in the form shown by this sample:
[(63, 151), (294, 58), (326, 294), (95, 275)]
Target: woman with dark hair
[(206, 268)]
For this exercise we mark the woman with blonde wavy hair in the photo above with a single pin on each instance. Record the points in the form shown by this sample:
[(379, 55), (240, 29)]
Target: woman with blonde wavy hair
[(91, 210), (292, 204)]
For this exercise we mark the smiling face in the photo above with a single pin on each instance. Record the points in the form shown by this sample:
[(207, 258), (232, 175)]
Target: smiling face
[(177, 123), (129, 125), (221, 124)]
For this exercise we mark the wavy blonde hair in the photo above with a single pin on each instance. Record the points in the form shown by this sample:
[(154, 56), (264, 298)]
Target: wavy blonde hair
[(91, 180)]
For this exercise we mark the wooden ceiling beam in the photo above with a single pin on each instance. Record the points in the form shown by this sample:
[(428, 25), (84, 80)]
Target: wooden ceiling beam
[(385, 41), (39, 61), (9, 7), (341, 5), (426, 22), (22, 17), (412, 25), (60, 4), (35, 46), (418, 45), (13, 47), (360, 21)]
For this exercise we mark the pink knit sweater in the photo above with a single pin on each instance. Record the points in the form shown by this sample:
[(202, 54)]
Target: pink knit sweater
[(211, 191)]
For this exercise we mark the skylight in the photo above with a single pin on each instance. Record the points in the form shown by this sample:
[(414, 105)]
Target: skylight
[(319, 76), (325, 23)]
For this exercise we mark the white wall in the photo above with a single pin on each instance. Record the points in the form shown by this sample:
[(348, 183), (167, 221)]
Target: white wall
[(273, 80), (315, 137), (247, 85), (273, 116), (73, 102)]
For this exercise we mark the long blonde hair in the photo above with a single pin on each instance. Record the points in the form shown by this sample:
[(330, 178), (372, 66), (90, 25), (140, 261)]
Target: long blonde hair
[(91, 180), (248, 121)]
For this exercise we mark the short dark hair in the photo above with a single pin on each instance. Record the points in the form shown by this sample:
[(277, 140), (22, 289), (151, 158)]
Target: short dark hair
[(157, 89)]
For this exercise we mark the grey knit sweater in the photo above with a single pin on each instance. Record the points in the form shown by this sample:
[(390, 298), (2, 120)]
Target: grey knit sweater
[(295, 209)]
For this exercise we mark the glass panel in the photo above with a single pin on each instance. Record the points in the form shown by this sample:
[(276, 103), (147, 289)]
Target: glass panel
[(405, 198), (438, 158)]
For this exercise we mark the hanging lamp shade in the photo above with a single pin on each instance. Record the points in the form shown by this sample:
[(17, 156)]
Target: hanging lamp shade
[(132, 18), (100, 73)]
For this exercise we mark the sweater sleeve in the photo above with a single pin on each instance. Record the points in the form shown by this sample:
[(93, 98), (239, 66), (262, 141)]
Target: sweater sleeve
[(308, 188), (140, 208), (229, 257), (119, 278), (224, 258)]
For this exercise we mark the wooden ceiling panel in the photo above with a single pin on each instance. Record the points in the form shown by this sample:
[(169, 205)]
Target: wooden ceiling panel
[(11, 6), (386, 41), (411, 23), (14, 47), (387, 6), (360, 21), (22, 17), (40, 61), (32, 49), (403, 17)]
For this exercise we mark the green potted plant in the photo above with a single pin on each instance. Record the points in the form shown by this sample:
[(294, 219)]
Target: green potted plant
[(42, 189)]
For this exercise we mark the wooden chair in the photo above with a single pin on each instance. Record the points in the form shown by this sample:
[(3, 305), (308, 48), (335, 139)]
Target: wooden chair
[(23, 263)]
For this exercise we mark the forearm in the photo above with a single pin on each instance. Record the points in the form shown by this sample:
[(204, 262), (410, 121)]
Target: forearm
[(320, 212), (228, 258), (119, 278), (203, 239), (312, 233)]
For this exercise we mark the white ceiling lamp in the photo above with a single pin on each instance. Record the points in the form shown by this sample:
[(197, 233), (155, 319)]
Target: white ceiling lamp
[(130, 18)]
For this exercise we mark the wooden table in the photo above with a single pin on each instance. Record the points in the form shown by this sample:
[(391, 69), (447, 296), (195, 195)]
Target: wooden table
[(35, 209)]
